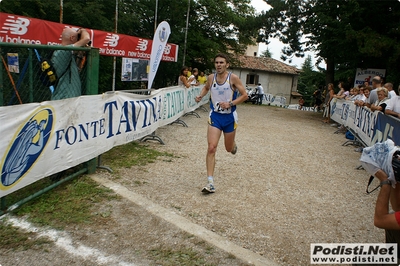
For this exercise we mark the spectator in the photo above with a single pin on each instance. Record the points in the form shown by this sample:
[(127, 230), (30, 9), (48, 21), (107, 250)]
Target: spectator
[(373, 97), (193, 78), (202, 78), (69, 82), (344, 91), (189, 73), (393, 106), (364, 102), (389, 87), (328, 99), (377, 161), (354, 94), (351, 95), (260, 93), (381, 103), (301, 103), (183, 80), (317, 98), (361, 96)]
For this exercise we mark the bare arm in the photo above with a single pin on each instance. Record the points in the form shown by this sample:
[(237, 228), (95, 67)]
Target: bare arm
[(85, 38), (376, 107), (391, 112), (383, 219), (206, 88), (184, 81), (237, 83)]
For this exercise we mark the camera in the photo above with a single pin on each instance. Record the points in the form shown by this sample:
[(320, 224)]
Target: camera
[(396, 165)]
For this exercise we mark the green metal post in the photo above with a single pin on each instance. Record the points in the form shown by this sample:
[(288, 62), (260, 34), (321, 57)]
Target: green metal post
[(30, 71), (92, 88), (92, 75)]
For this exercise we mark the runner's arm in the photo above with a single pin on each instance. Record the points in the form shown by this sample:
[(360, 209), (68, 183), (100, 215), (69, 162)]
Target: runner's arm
[(205, 89)]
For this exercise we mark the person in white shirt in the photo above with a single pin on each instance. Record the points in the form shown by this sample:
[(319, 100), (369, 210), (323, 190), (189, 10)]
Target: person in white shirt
[(389, 87), (393, 107), (193, 77), (260, 92)]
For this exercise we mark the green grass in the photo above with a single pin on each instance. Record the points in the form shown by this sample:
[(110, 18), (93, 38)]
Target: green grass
[(15, 239), (172, 257), (67, 204), (132, 153)]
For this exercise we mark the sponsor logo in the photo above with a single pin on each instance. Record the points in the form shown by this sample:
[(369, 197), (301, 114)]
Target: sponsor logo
[(111, 40), (15, 25), (26, 147), (142, 45), (162, 34), (167, 49)]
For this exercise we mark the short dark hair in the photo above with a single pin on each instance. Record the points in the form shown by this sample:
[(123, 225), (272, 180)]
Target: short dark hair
[(225, 56)]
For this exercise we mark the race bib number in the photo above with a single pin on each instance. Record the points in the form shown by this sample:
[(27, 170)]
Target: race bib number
[(219, 109)]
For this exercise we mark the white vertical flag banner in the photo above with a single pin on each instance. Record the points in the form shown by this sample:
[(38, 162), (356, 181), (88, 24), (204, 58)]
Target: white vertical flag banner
[(159, 41)]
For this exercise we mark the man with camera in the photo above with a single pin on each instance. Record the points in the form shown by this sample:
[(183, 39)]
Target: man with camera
[(383, 161), (64, 61)]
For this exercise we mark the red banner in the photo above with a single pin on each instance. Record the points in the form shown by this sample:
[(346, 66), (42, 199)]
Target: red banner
[(19, 29)]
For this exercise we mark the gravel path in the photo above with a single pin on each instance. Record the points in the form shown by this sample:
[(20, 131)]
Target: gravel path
[(292, 183)]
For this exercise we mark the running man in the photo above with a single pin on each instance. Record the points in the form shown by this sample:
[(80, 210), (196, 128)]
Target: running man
[(225, 88)]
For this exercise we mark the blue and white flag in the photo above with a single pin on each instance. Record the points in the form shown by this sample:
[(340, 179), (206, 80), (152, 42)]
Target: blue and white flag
[(159, 41)]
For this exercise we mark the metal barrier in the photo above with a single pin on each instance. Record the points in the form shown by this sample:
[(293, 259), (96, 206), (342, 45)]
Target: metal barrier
[(21, 82)]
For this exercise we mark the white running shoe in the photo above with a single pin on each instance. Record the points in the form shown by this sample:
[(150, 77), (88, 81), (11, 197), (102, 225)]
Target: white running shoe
[(209, 188)]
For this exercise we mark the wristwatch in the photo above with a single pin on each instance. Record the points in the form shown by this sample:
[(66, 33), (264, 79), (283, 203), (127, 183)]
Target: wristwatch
[(231, 104), (386, 182)]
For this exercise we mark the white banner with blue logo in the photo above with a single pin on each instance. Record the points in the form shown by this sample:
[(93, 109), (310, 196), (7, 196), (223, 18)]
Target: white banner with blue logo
[(40, 139), (370, 127)]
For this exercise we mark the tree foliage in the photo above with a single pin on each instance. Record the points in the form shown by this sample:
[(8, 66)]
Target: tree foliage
[(214, 26), (346, 34), (309, 81)]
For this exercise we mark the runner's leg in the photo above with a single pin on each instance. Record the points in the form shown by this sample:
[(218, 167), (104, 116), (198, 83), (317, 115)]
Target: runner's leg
[(213, 136), (229, 140)]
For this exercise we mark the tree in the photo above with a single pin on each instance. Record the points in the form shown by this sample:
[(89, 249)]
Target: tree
[(266, 53), (309, 81), (345, 34)]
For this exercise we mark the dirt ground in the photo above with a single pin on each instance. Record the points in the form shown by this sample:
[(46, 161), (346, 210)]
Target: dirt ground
[(292, 183)]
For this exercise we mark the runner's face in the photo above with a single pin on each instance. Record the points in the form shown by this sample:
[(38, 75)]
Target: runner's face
[(220, 65)]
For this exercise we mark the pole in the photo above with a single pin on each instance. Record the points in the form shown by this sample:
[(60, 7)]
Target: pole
[(186, 31), (115, 58), (61, 10), (155, 16)]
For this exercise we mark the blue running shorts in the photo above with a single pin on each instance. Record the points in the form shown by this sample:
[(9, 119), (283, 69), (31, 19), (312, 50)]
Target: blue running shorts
[(225, 122)]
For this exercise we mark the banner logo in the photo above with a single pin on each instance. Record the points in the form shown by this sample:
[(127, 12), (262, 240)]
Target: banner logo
[(142, 45), (111, 40), (26, 147), (162, 34), (17, 26)]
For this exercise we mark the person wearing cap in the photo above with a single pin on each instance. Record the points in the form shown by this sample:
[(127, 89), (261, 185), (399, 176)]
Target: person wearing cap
[(260, 92)]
